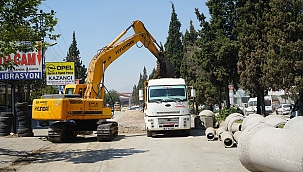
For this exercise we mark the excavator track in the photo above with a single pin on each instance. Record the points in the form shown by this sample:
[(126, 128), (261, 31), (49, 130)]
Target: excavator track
[(60, 132), (107, 131)]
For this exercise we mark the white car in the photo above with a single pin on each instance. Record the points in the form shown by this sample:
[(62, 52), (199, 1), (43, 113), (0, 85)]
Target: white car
[(283, 109)]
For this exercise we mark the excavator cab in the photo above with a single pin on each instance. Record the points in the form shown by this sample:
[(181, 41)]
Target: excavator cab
[(75, 89)]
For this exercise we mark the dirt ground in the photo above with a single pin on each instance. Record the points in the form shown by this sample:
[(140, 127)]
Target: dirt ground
[(132, 121)]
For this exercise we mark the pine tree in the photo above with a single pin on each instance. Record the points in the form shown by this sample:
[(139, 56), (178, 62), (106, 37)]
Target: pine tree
[(284, 54), (73, 56), (140, 86), (173, 45), (252, 30)]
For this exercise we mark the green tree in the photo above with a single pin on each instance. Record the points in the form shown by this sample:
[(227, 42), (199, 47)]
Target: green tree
[(173, 45), (151, 75), (140, 86), (189, 68), (20, 21), (284, 55), (252, 28), (218, 56), (73, 56), (111, 97)]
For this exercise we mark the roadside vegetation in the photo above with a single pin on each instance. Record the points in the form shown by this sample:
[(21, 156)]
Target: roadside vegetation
[(254, 45)]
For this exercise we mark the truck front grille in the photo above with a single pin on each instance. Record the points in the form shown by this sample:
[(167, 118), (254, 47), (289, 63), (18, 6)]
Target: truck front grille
[(168, 121), (172, 112)]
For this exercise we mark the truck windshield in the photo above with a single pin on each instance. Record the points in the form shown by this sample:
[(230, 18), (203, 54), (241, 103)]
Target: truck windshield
[(167, 93)]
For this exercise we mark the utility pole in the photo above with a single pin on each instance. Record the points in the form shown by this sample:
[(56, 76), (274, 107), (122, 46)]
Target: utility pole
[(41, 17)]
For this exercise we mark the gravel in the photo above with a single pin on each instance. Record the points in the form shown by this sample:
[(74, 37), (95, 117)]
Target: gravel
[(130, 121)]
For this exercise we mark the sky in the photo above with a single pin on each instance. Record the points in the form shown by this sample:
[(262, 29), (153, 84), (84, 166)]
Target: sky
[(97, 23)]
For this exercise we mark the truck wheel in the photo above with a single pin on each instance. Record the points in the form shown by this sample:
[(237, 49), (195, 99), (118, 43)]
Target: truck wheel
[(148, 133)]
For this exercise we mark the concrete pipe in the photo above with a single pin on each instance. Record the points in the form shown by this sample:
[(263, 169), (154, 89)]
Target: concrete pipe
[(251, 119), (235, 127), (222, 124), (227, 139), (274, 120), (295, 123), (210, 133), (237, 135), (219, 131), (233, 121), (230, 117), (206, 113), (207, 118), (263, 147)]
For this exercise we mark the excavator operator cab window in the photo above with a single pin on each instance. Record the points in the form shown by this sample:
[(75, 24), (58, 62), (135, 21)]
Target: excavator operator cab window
[(69, 91), (80, 92)]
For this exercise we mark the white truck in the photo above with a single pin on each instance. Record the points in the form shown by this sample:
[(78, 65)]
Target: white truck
[(166, 105), (251, 106)]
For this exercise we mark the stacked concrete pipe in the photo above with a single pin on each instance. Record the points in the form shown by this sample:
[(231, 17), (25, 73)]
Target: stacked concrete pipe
[(230, 119), (219, 131), (237, 135), (251, 120), (263, 147), (235, 127), (295, 123), (210, 133), (227, 139)]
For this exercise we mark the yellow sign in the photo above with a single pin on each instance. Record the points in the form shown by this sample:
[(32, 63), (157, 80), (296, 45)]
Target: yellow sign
[(60, 68), (60, 73)]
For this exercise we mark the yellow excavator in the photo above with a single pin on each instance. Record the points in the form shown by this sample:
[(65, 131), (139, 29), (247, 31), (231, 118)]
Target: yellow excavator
[(81, 107)]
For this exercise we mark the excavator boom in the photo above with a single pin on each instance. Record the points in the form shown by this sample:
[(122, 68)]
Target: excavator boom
[(114, 50)]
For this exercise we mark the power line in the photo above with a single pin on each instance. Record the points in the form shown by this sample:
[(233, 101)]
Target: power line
[(46, 5), (62, 36)]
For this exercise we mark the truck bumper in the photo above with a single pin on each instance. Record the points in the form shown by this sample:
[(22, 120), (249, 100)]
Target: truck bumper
[(168, 123)]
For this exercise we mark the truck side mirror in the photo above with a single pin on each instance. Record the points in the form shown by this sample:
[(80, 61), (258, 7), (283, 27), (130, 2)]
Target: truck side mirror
[(193, 93), (140, 94)]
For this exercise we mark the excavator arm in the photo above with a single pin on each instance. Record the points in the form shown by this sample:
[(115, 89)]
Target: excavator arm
[(115, 49)]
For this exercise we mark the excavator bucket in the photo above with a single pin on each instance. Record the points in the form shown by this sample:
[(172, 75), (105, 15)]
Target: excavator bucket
[(170, 69), (165, 69)]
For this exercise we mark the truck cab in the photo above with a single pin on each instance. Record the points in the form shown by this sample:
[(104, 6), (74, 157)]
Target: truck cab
[(166, 106)]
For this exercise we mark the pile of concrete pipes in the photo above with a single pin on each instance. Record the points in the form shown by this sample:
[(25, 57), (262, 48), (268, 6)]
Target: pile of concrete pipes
[(231, 129), (227, 131), (265, 145)]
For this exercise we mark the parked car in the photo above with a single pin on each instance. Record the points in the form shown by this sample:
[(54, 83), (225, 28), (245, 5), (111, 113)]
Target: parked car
[(134, 108), (284, 109)]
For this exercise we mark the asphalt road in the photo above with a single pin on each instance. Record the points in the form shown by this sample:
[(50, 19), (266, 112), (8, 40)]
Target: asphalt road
[(133, 152), (130, 152)]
